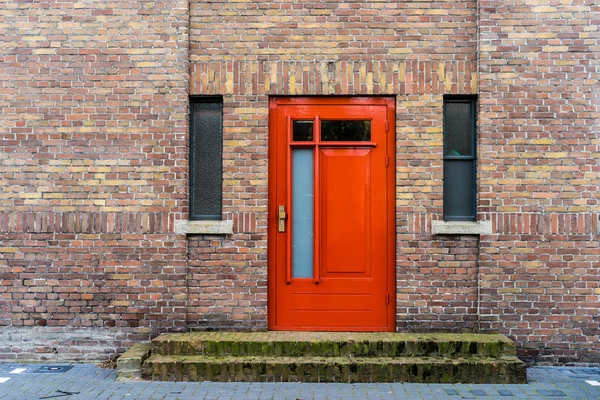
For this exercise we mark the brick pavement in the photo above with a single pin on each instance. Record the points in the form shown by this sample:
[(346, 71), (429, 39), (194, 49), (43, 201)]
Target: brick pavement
[(85, 381)]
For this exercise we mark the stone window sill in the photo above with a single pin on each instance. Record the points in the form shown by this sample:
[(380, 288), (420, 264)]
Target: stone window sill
[(461, 227), (204, 227)]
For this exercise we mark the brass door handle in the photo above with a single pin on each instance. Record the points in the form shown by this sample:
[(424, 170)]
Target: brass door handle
[(281, 217)]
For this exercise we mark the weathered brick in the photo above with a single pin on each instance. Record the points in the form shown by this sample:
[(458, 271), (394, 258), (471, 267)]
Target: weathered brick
[(94, 147)]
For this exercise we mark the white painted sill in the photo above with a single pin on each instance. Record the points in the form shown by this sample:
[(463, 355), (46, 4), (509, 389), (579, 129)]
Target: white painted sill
[(461, 227), (204, 227)]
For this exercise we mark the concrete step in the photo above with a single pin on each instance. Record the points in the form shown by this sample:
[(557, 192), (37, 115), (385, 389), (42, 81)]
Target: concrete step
[(333, 344), (505, 369)]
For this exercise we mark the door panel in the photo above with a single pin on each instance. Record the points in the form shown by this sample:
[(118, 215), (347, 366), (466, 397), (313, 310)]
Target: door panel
[(345, 210), (331, 214)]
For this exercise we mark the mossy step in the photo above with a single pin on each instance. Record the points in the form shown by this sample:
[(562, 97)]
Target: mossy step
[(129, 364), (504, 370), (333, 344)]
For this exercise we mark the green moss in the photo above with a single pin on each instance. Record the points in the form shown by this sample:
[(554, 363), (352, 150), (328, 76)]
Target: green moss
[(335, 357)]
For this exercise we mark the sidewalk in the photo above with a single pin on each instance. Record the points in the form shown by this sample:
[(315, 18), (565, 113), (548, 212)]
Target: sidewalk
[(85, 381)]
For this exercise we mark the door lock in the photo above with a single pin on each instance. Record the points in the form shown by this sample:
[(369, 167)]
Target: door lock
[(281, 217)]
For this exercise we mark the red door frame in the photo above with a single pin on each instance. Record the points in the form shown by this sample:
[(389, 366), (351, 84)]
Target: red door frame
[(274, 137)]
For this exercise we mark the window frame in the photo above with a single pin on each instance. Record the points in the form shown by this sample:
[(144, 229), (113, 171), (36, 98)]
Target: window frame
[(448, 213)]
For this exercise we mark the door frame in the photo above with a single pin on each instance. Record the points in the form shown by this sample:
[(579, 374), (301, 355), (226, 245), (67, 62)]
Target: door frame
[(274, 137)]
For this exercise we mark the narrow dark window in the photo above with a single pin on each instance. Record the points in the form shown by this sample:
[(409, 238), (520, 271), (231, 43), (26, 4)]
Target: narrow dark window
[(459, 158), (206, 158)]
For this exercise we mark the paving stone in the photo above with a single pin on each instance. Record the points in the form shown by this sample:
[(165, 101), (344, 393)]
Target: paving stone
[(505, 392), (100, 384), (552, 393)]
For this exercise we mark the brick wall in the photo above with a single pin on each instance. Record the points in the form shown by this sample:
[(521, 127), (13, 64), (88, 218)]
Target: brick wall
[(417, 51), (539, 175), (537, 127), (93, 163), (93, 149)]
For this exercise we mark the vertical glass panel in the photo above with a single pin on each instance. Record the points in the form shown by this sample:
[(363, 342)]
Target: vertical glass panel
[(206, 162), (345, 131), (459, 190), (457, 129), (302, 213), (302, 131)]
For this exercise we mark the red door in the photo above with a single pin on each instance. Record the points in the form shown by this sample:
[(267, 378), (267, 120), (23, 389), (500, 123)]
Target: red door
[(331, 214)]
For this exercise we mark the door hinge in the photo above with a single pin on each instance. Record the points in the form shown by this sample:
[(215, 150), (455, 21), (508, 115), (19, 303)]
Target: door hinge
[(387, 126), (387, 298), (387, 161)]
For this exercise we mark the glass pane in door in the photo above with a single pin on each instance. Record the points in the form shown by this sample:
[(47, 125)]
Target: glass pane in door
[(345, 131), (302, 213), (302, 131)]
